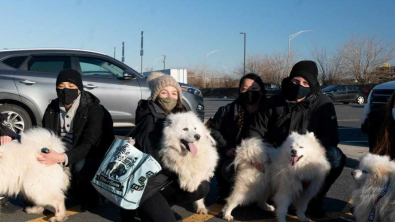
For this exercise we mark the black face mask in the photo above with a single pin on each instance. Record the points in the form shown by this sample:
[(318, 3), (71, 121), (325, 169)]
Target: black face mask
[(296, 92), (250, 97), (67, 96)]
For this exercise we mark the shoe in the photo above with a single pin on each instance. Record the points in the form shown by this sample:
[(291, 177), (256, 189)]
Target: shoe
[(7, 207), (316, 209)]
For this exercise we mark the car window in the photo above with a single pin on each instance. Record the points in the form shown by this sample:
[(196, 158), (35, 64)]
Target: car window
[(51, 64), (352, 88), (341, 89), (15, 61), (99, 68)]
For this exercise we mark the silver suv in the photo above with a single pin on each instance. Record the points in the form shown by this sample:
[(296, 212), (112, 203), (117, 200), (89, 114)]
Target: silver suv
[(27, 84)]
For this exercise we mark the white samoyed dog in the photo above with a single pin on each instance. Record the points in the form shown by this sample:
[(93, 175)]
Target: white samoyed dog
[(250, 185), (374, 174), (21, 173), (189, 151), (294, 172), (299, 173)]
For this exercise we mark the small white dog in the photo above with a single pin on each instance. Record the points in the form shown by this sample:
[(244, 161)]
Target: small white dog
[(189, 151), (20, 172), (250, 185), (299, 174), (374, 175)]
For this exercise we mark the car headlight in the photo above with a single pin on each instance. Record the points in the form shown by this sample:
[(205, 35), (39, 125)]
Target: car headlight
[(200, 108)]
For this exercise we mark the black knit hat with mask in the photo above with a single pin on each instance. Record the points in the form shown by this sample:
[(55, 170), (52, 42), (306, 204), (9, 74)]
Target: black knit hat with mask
[(70, 75), (256, 79)]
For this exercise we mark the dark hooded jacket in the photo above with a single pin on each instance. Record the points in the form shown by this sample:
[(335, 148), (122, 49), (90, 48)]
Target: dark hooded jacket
[(147, 134), (225, 128), (315, 114), (92, 128)]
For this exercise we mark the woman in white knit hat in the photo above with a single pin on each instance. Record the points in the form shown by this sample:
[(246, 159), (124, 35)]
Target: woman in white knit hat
[(162, 190)]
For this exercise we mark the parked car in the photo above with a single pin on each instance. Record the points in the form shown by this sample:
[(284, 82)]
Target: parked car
[(191, 89), (27, 84), (346, 93), (378, 98), (272, 89)]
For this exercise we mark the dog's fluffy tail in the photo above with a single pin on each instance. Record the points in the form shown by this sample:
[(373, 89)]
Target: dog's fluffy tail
[(251, 151)]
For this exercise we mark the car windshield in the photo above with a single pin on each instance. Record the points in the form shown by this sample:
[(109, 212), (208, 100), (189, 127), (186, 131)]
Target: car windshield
[(329, 88)]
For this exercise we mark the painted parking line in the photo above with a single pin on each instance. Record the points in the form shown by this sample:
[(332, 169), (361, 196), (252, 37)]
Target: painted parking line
[(216, 210), (70, 212)]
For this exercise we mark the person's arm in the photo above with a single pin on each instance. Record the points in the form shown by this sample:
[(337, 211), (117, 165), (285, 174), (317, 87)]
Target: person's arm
[(215, 127), (259, 124), (146, 136), (90, 135), (329, 134)]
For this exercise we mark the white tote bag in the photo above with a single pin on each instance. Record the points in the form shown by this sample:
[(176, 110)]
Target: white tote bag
[(123, 174)]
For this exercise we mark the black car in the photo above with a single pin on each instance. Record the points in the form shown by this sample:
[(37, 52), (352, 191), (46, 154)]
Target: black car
[(346, 93)]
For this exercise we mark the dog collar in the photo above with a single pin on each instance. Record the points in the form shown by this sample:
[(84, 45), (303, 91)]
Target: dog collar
[(381, 195)]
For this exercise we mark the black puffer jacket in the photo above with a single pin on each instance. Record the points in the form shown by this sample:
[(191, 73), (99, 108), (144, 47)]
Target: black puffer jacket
[(147, 134), (225, 128), (314, 114), (92, 128)]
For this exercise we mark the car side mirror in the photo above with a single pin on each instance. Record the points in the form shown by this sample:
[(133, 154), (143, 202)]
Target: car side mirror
[(127, 75)]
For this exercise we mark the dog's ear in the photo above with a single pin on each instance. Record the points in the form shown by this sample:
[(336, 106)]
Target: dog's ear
[(310, 134)]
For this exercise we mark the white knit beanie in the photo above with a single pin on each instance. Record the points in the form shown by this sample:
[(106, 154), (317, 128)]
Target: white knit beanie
[(157, 81)]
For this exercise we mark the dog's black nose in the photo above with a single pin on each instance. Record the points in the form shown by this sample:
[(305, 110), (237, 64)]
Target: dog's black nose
[(294, 152), (197, 136)]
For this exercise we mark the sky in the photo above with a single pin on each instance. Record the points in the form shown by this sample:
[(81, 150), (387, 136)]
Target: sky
[(185, 30)]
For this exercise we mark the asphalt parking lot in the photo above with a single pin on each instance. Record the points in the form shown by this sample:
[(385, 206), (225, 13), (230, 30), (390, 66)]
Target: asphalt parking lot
[(352, 141)]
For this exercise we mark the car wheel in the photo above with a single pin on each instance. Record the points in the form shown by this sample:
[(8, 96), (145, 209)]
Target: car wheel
[(15, 117), (360, 99)]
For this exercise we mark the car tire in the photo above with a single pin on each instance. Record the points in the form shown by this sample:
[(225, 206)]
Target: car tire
[(16, 118), (360, 100)]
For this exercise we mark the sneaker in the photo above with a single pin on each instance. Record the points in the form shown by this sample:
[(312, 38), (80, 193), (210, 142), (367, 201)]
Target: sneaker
[(316, 209)]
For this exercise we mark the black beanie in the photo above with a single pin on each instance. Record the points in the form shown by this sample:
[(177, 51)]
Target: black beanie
[(256, 79), (70, 75), (306, 69)]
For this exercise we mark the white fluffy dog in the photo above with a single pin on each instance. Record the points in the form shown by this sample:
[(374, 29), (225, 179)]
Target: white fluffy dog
[(250, 185), (372, 175), (20, 172), (294, 172), (300, 172), (189, 151)]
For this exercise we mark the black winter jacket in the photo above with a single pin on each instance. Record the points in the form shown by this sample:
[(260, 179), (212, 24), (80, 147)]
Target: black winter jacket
[(92, 128), (224, 126), (147, 134), (314, 114)]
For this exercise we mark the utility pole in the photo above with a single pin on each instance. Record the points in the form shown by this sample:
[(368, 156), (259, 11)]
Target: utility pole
[(115, 48), (245, 36), (123, 51), (142, 51), (164, 62)]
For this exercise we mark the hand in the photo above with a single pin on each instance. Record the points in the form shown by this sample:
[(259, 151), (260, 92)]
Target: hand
[(132, 142), (231, 152), (51, 158), (259, 166), (5, 140)]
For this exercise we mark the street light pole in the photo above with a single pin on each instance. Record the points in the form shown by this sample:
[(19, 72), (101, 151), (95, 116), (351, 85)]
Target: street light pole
[(245, 36), (290, 37), (164, 62), (205, 60)]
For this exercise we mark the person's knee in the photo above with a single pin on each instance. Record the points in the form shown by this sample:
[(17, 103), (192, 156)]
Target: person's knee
[(336, 157), (202, 190)]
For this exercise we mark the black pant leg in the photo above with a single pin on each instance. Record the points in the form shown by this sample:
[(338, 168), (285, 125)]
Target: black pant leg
[(156, 209), (223, 174), (337, 161), (83, 172), (175, 195)]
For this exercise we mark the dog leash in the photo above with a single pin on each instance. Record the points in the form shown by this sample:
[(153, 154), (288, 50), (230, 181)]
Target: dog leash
[(382, 193)]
